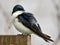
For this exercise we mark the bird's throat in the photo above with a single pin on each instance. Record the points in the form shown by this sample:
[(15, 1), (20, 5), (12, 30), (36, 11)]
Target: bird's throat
[(15, 14)]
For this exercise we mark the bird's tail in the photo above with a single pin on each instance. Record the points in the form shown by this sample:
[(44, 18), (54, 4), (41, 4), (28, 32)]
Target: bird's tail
[(46, 37)]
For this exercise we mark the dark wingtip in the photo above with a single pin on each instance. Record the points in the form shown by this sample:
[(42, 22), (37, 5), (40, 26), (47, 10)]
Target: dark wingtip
[(47, 38), (51, 40)]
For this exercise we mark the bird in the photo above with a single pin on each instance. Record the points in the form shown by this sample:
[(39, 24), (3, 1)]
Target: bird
[(26, 23)]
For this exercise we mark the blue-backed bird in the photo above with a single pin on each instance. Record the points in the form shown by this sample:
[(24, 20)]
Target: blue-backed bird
[(26, 23)]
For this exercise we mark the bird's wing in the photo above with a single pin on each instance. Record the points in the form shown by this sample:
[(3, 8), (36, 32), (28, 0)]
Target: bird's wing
[(28, 20)]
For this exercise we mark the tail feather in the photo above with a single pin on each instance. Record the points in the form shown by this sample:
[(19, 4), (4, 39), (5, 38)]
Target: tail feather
[(47, 38)]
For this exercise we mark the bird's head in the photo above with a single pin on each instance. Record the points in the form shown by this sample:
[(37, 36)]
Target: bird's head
[(18, 8)]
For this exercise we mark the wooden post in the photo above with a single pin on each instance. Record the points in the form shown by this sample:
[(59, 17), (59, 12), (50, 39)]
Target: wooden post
[(15, 40)]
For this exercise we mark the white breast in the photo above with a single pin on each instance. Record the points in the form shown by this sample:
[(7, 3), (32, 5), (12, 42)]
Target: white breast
[(20, 27)]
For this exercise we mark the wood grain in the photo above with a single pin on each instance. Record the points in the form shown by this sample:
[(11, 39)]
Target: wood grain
[(15, 40)]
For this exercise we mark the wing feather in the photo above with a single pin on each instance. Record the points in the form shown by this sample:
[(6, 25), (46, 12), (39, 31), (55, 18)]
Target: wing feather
[(29, 21)]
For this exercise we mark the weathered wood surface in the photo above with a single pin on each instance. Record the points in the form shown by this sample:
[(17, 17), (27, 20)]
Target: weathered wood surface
[(15, 40)]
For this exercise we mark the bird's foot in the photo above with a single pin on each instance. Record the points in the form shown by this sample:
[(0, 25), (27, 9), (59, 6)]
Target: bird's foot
[(18, 34), (25, 34)]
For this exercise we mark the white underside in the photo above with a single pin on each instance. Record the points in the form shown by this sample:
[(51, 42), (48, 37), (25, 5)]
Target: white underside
[(20, 27)]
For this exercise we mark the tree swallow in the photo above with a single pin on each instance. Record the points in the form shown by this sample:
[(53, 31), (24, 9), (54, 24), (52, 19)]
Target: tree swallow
[(26, 23)]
